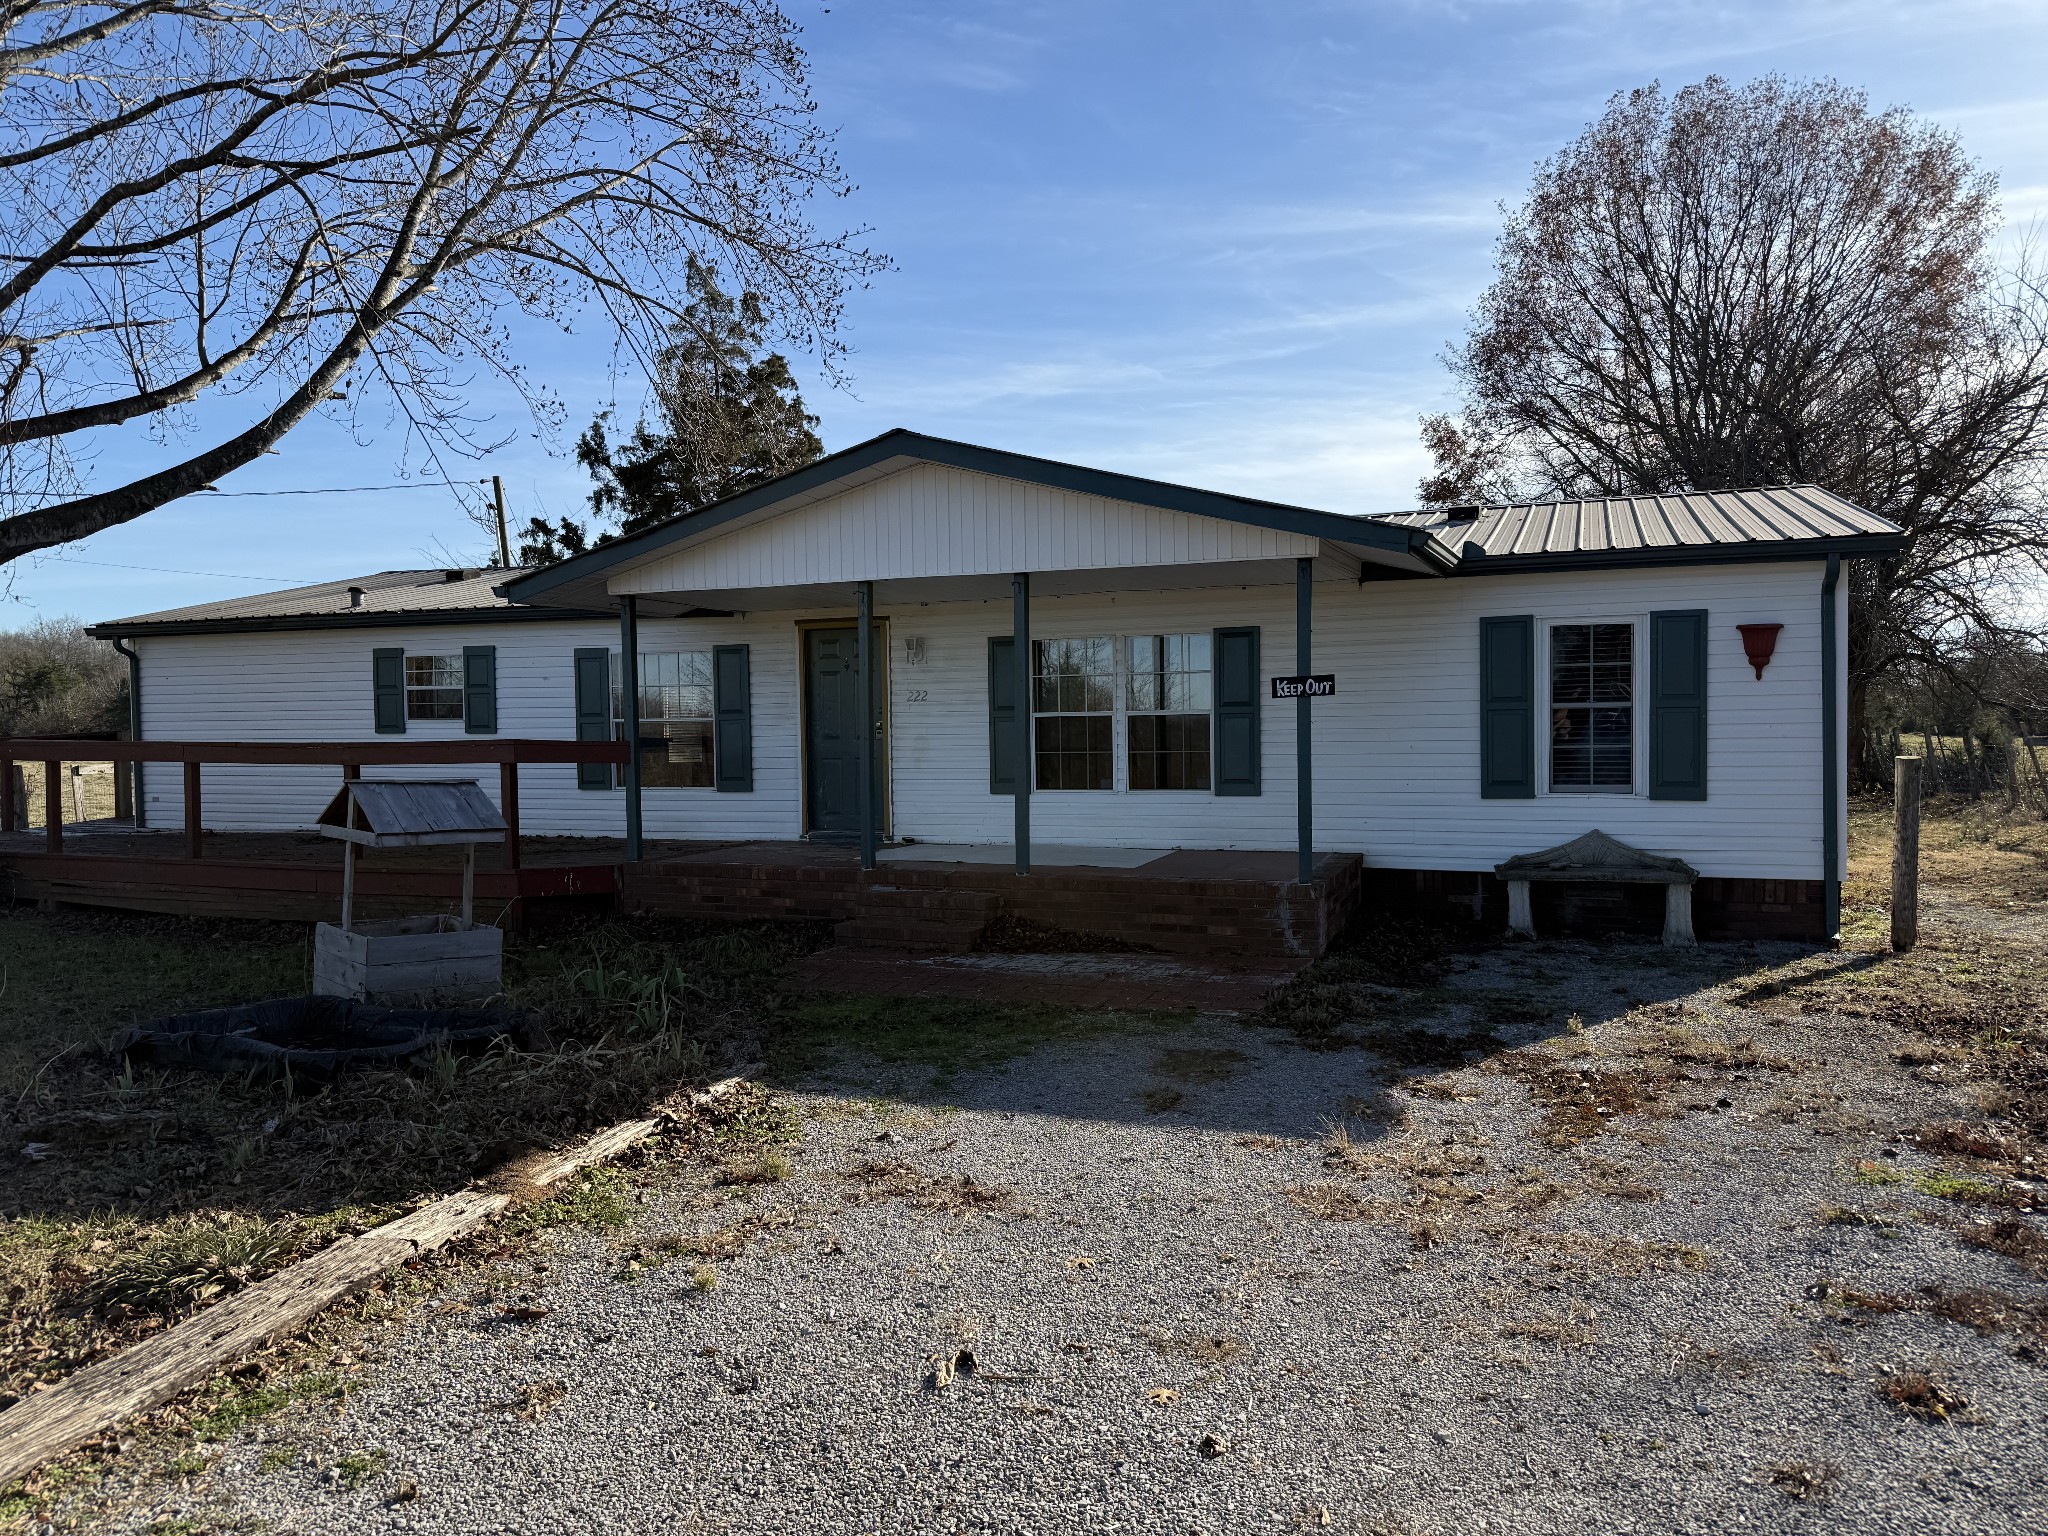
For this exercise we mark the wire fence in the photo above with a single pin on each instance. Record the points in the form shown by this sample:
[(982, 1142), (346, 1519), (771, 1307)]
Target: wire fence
[(89, 792), (2004, 765)]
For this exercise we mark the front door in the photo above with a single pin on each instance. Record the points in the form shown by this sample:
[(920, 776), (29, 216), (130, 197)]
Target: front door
[(832, 733)]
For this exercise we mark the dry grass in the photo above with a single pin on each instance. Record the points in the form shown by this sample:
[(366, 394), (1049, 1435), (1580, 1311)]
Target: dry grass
[(1917, 1393), (1333, 1202), (535, 1398), (1806, 1481), (955, 1194), (2020, 1241), (1203, 1348), (1582, 1101), (153, 1192)]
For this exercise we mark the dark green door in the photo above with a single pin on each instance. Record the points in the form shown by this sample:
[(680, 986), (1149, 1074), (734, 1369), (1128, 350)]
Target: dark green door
[(832, 735)]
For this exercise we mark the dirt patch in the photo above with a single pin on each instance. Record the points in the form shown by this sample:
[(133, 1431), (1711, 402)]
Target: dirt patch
[(1584, 1100), (2018, 1240), (955, 1194), (1981, 1311)]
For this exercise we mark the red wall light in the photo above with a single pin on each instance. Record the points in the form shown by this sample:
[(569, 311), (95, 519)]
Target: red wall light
[(1759, 642)]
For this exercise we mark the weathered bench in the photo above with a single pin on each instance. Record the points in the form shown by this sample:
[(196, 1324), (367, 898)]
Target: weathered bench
[(1594, 856)]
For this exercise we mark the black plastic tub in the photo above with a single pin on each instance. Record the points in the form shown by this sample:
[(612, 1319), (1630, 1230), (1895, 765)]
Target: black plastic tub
[(312, 1038)]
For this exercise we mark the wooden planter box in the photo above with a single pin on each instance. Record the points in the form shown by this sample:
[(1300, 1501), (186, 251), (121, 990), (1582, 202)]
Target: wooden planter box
[(409, 960)]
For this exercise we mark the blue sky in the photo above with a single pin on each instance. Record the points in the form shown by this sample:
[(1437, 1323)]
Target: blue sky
[(1223, 244)]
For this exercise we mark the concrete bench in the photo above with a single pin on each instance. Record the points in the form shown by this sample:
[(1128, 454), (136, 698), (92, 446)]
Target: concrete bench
[(1594, 856)]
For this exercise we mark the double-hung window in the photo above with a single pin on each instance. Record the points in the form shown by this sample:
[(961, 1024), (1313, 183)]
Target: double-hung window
[(1073, 713), (1167, 700), (433, 687), (675, 719), (1592, 708), (1144, 699)]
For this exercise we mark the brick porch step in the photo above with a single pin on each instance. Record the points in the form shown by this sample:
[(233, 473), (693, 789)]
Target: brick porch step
[(917, 917)]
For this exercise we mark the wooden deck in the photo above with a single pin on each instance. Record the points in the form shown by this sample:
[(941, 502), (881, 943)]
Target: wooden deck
[(296, 877), (1197, 901)]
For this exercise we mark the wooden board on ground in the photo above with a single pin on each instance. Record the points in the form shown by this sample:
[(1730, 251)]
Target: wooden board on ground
[(151, 1374)]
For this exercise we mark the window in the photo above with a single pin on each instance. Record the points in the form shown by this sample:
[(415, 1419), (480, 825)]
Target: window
[(675, 719), (1168, 699), (433, 687), (1592, 708), (1073, 699)]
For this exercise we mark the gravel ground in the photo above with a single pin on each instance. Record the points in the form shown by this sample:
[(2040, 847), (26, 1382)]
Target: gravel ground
[(1186, 1306)]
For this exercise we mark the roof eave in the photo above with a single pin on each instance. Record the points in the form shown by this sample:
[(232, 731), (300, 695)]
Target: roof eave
[(916, 447), (1850, 547), (258, 624)]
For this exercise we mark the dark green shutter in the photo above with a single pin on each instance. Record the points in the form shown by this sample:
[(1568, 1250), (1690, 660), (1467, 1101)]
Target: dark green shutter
[(1237, 711), (732, 708), (1507, 708), (1678, 704), (1004, 741), (480, 690), (387, 690), (593, 711)]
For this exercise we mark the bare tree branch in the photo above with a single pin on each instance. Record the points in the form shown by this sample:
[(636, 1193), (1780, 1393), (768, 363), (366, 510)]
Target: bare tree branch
[(1738, 286), (202, 198)]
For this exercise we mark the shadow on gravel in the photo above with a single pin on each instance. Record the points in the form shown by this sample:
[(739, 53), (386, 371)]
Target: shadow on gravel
[(1394, 1005)]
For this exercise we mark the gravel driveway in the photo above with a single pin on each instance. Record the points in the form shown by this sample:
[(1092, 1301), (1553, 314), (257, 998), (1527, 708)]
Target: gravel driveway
[(1641, 1259)]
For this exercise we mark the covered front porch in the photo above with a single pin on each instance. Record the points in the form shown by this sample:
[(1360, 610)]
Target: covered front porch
[(801, 609)]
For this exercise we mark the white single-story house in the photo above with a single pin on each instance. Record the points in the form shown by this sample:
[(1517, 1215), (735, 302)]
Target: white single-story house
[(1100, 661)]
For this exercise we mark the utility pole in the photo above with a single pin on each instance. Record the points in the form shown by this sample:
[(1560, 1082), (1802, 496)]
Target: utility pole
[(504, 543)]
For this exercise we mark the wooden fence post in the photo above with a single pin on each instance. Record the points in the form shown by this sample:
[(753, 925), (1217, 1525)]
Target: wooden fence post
[(53, 807), (508, 807), (1906, 855), (2040, 778), (193, 816)]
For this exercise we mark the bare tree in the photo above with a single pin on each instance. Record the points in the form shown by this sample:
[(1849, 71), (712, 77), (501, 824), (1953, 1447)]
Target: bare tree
[(1737, 286), (281, 201)]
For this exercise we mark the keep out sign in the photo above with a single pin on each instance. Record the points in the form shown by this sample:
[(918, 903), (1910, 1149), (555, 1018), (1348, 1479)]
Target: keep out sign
[(1312, 685)]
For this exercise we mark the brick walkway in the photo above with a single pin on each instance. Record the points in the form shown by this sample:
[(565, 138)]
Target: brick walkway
[(1075, 981)]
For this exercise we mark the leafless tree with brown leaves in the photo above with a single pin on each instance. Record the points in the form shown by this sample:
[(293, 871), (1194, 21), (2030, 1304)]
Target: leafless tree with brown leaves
[(1735, 286), (273, 202)]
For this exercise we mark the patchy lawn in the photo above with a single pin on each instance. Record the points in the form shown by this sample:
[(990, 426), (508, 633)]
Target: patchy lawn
[(1452, 1237), (136, 1195)]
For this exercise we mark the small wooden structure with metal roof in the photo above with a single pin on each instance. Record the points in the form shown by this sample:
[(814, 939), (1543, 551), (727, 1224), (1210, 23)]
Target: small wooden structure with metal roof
[(411, 813), (412, 957)]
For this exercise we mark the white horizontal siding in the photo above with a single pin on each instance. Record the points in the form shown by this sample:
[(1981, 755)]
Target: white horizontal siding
[(1402, 751), (314, 685), (1396, 755), (931, 520)]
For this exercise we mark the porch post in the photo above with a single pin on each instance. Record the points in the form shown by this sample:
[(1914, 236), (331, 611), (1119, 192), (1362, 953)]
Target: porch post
[(1304, 787), (629, 690), (1020, 629), (864, 691)]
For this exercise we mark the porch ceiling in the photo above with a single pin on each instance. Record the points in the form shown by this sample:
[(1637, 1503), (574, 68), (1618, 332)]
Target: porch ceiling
[(1331, 566)]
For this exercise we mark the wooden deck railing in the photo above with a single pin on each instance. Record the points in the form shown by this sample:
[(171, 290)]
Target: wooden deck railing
[(351, 757)]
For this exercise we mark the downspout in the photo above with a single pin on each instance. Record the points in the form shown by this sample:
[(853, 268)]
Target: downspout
[(134, 718), (1830, 757)]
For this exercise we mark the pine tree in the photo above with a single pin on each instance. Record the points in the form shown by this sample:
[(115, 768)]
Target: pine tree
[(730, 417)]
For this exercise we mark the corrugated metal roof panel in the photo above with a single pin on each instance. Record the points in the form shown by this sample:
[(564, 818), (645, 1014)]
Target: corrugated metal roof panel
[(1765, 515), (387, 592)]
